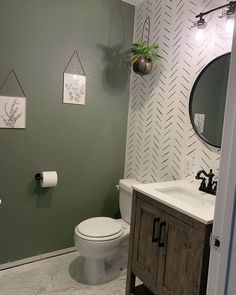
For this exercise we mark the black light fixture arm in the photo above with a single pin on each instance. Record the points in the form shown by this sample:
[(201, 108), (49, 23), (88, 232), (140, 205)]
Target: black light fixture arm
[(231, 3)]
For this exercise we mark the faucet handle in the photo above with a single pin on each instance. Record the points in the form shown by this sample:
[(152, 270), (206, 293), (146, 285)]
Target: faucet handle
[(214, 187)]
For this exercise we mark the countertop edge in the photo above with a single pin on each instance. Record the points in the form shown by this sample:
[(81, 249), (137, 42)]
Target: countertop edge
[(204, 221)]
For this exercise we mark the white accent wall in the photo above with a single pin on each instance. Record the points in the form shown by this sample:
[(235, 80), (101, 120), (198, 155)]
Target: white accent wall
[(160, 136)]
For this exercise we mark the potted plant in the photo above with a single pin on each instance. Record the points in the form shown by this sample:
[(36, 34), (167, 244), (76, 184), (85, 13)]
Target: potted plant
[(143, 56)]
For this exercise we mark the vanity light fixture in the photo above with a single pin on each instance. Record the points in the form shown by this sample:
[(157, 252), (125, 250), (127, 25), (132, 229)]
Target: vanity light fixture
[(200, 25), (229, 13)]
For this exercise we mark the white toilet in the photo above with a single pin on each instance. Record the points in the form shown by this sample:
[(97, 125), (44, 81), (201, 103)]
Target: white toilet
[(101, 239)]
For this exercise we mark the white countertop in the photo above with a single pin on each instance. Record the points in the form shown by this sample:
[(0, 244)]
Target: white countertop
[(182, 196)]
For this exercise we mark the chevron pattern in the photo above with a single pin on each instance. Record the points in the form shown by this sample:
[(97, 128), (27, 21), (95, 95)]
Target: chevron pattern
[(160, 136)]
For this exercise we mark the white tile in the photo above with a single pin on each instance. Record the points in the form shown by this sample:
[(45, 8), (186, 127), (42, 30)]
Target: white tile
[(53, 276)]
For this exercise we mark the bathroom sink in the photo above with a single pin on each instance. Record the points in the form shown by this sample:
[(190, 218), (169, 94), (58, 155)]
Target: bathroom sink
[(188, 196), (182, 196)]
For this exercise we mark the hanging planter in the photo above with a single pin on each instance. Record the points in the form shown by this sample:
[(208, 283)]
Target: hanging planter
[(143, 57), (143, 54)]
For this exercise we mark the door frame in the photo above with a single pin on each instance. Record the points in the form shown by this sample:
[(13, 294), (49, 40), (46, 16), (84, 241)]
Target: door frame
[(226, 198)]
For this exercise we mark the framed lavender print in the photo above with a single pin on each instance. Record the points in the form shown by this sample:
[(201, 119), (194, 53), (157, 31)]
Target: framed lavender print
[(74, 89), (12, 112)]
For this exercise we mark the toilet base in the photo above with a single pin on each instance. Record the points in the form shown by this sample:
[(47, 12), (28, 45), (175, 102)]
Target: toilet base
[(101, 262), (94, 271), (101, 271)]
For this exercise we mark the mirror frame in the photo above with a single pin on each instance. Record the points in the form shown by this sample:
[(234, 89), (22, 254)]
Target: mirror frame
[(191, 99)]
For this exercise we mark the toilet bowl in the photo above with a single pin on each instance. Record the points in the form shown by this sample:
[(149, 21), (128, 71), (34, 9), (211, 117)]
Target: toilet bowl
[(95, 249), (103, 241)]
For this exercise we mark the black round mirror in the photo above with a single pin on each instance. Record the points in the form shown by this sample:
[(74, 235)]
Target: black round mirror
[(207, 100)]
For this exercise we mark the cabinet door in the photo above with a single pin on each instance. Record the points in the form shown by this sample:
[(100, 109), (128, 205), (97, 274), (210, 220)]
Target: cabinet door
[(145, 250), (181, 248)]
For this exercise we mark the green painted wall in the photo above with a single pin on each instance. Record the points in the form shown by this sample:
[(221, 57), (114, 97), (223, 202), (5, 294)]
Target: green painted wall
[(84, 144)]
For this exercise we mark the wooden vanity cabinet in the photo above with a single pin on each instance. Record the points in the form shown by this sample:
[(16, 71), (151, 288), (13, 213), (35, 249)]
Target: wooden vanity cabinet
[(168, 252), (145, 255)]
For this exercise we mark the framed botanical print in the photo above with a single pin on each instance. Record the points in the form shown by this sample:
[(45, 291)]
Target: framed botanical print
[(12, 112), (74, 89)]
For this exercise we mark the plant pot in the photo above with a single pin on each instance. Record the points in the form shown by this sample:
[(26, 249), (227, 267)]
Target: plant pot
[(142, 66)]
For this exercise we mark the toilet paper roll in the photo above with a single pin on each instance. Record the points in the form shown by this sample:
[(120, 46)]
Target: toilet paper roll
[(48, 179)]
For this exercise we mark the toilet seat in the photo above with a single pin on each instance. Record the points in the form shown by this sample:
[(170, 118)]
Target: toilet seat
[(100, 229)]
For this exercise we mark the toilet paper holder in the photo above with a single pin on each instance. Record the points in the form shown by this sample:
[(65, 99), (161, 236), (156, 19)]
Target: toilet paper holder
[(38, 176), (47, 179)]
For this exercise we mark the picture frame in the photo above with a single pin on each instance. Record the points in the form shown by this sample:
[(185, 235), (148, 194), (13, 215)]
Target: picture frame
[(74, 89), (12, 112)]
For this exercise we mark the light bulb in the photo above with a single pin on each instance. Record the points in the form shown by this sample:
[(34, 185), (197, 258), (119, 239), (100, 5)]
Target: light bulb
[(199, 35), (229, 25)]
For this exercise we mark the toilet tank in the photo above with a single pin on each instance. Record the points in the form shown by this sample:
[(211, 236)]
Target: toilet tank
[(126, 192)]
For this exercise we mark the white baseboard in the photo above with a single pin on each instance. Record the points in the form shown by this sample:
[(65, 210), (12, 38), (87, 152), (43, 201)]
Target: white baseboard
[(36, 258)]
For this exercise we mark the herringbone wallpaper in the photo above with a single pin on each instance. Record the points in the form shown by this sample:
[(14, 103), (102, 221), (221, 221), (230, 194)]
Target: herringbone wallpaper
[(160, 136)]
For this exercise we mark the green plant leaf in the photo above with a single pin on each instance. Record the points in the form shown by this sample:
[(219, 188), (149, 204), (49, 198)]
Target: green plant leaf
[(134, 58), (142, 48)]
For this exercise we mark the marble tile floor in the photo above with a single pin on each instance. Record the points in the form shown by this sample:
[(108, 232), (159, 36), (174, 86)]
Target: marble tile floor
[(54, 276)]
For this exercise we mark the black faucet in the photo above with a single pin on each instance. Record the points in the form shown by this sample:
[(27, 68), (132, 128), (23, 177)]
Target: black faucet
[(209, 188)]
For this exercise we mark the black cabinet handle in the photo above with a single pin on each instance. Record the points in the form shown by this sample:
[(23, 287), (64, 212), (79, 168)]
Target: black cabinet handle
[(155, 221), (161, 243)]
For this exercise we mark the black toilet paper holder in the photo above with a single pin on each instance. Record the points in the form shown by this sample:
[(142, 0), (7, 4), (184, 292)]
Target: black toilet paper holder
[(38, 176)]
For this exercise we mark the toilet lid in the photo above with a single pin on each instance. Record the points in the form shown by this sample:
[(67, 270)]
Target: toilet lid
[(100, 227)]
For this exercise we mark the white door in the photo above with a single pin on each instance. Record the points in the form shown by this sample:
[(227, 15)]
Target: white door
[(221, 263), (231, 283)]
